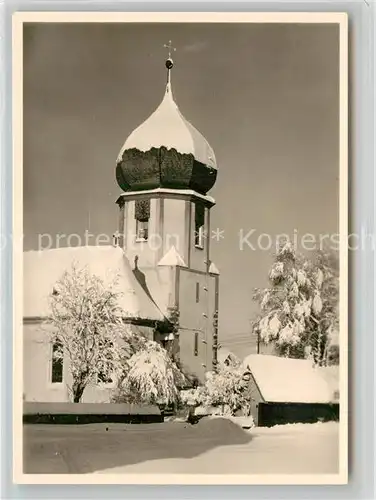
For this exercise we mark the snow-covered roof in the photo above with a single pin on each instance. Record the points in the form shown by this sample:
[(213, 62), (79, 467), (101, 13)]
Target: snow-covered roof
[(286, 380), (167, 127), (172, 258), (42, 269), (213, 269)]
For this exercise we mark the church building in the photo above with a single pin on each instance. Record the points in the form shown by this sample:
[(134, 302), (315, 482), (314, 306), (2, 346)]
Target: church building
[(161, 253)]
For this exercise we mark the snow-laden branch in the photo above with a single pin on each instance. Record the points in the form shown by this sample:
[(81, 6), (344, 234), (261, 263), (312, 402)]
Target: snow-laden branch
[(88, 328), (152, 377), (299, 311)]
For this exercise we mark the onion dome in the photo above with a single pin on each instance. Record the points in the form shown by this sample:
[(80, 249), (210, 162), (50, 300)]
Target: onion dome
[(166, 151)]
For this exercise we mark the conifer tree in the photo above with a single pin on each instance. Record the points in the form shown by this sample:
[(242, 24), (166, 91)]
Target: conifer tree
[(299, 310)]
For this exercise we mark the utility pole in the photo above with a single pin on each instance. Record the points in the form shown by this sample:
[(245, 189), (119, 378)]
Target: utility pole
[(258, 338)]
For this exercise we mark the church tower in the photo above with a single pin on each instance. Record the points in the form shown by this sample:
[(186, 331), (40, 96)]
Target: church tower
[(165, 170)]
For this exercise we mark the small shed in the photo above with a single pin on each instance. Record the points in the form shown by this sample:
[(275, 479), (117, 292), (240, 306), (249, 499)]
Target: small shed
[(285, 390)]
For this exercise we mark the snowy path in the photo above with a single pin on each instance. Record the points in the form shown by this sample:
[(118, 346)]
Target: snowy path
[(290, 449)]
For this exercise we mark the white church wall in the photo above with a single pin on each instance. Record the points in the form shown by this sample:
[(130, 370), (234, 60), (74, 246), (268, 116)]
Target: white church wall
[(37, 367), (37, 370), (161, 283), (199, 254), (37, 376), (174, 226), (196, 306)]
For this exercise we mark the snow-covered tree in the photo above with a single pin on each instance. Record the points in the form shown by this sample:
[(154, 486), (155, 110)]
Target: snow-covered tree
[(152, 377), (88, 329), (193, 397), (226, 389), (299, 311)]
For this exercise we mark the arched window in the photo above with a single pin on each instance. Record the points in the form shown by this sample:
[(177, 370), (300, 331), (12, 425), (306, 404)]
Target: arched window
[(57, 363), (142, 216)]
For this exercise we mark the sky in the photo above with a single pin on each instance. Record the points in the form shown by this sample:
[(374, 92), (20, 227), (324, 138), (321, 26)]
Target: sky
[(265, 96)]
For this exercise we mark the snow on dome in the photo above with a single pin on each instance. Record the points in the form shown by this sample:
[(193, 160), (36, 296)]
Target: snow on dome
[(289, 380), (42, 269), (167, 127)]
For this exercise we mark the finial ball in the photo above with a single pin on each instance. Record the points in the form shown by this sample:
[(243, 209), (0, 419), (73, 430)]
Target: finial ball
[(169, 63)]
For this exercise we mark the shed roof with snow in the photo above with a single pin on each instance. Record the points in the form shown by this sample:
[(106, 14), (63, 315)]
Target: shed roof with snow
[(42, 269), (286, 380)]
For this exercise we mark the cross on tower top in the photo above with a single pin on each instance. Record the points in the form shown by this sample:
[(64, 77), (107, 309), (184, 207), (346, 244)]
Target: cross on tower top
[(170, 48)]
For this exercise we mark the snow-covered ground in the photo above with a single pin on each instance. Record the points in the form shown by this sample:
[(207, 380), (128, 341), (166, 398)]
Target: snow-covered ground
[(284, 449)]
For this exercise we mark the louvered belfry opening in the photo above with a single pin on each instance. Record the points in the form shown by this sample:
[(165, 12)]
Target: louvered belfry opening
[(142, 216)]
